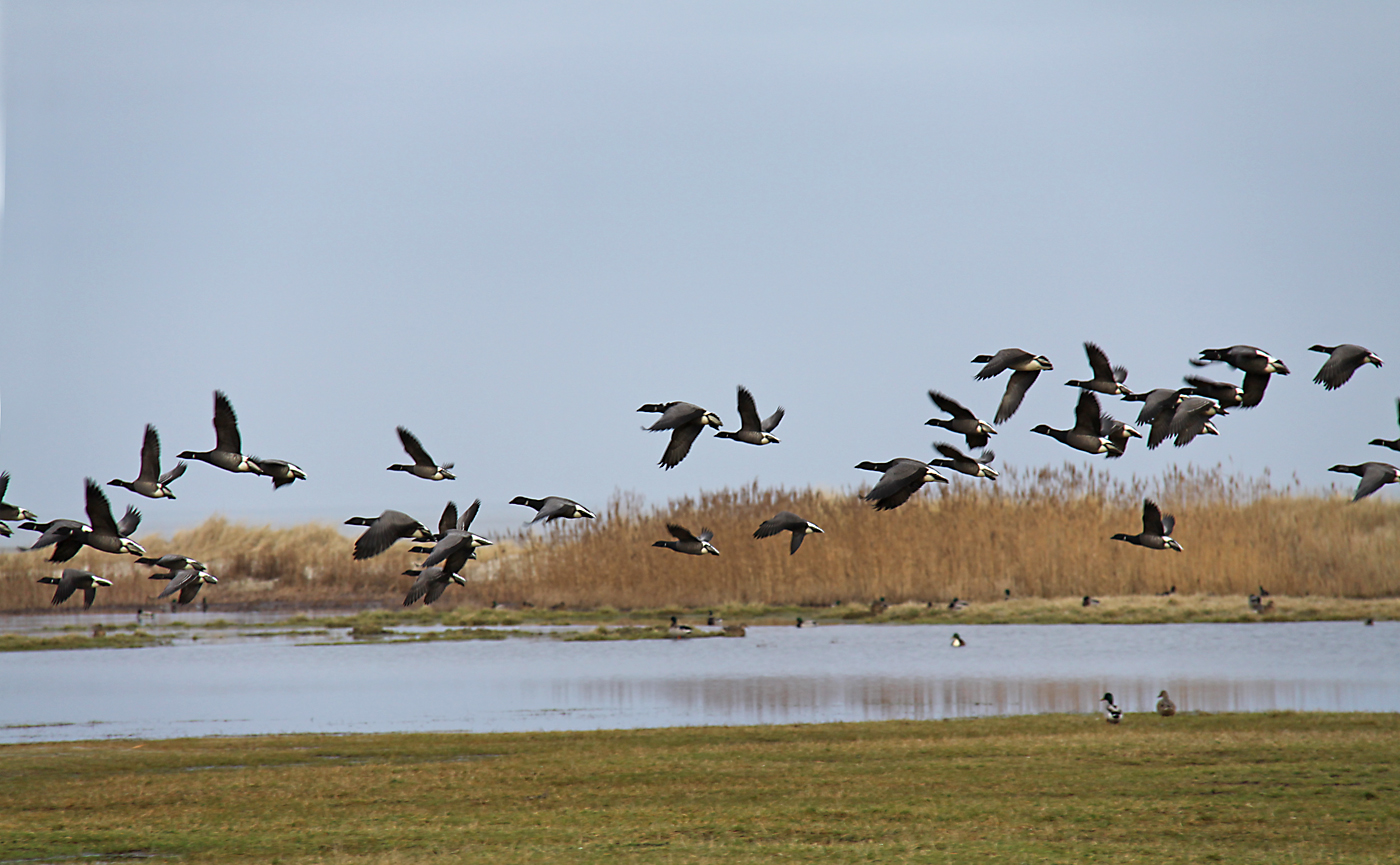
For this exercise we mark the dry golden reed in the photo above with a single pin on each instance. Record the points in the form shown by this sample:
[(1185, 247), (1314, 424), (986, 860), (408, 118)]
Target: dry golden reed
[(1041, 533)]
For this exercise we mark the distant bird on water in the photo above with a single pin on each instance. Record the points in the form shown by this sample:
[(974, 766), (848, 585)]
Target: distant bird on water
[(72, 580), (752, 430), (150, 482), (1393, 445), (1025, 367), (384, 530), (228, 444), (685, 542), (1111, 713), (977, 467), (1087, 433), (1343, 360), (1165, 707), (963, 422), (685, 420), (424, 466), (1256, 364), (786, 521), (958, 642), (900, 478), (1108, 379), (1373, 477), (1156, 530), (553, 508)]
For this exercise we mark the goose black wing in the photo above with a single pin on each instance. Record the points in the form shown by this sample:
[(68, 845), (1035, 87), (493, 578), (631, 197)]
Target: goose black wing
[(951, 406), (1015, 392), (226, 436), (468, 515), (1088, 418), (681, 533), (748, 411), (150, 456), (99, 510), (448, 521), (1152, 518), (1098, 362), (681, 440), (414, 449)]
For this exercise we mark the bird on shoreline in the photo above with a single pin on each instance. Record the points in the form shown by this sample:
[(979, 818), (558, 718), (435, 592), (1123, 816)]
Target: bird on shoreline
[(1108, 379), (787, 521), (1256, 364), (72, 580), (1165, 707), (685, 542), (963, 422), (1087, 433), (1111, 713), (228, 444), (1342, 361), (1156, 530), (384, 530), (424, 466), (899, 479), (678, 630), (553, 508), (1025, 367), (685, 420), (150, 482), (752, 430), (1373, 477)]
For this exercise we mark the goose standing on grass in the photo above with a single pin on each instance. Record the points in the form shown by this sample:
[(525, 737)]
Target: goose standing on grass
[(1393, 445), (1156, 530), (1165, 707), (1228, 395), (1108, 379), (1118, 435), (424, 466), (962, 422), (685, 420), (1373, 477), (978, 467), (958, 642), (228, 444), (553, 508), (1192, 418), (1025, 366), (1256, 364), (899, 479), (281, 471), (685, 542), (187, 582), (678, 630), (150, 482), (1342, 362), (1111, 713), (787, 521), (752, 430), (384, 530), (1158, 409), (457, 545), (72, 580), (1087, 433)]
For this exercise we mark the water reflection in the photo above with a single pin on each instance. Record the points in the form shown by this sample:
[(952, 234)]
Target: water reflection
[(775, 675)]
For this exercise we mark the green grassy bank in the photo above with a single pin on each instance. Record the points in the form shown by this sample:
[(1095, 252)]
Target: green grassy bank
[(1274, 788)]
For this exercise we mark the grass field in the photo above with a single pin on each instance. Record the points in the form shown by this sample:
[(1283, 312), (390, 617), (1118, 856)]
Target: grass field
[(1042, 534), (1277, 788)]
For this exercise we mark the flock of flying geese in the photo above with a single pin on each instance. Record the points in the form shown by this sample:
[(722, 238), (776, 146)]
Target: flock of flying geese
[(1181, 414)]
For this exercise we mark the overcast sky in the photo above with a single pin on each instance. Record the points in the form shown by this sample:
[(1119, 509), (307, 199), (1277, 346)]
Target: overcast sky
[(508, 225)]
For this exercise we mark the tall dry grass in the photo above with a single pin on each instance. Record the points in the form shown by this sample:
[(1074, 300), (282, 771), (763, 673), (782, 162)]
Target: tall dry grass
[(1041, 533)]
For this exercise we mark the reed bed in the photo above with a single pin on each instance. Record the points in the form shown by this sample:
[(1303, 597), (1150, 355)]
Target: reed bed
[(1041, 533)]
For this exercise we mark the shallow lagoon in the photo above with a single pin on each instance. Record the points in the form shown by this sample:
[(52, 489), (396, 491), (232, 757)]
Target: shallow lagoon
[(235, 685)]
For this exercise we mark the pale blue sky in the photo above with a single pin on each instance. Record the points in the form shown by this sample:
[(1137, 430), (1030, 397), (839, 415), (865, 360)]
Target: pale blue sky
[(507, 225)]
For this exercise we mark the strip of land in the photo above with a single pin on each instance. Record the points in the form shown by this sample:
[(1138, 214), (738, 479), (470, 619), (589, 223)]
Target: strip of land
[(1269, 788)]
